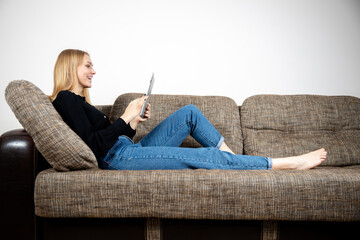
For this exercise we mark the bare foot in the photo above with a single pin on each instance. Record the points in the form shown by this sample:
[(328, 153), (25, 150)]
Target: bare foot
[(301, 162)]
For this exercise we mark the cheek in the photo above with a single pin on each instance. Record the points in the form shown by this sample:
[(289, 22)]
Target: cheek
[(81, 74)]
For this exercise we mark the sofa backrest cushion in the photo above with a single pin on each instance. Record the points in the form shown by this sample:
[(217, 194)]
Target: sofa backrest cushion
[(222, 112), (281, 125), (61, 147)]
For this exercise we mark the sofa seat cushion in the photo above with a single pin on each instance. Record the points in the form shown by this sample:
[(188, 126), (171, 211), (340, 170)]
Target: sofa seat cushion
[(326, 193), (286, 125), (222, 112)]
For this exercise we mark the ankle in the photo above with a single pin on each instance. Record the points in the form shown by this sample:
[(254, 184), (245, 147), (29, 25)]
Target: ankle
[(225, 148), (283, 163)]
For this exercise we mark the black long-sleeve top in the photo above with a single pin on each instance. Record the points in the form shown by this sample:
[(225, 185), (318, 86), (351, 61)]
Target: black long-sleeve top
[(92, 126)]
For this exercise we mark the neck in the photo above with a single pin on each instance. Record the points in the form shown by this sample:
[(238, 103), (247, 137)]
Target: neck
[(78, 91)]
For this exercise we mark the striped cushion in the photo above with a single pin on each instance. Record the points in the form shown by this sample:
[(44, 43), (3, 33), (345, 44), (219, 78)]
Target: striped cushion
[(60, 146)]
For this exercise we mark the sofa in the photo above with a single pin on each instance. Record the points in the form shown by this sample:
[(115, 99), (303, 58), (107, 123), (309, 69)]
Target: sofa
[(52, 188)]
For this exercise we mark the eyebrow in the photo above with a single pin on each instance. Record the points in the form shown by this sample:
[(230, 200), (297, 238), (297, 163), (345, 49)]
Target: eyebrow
[(90, 63)]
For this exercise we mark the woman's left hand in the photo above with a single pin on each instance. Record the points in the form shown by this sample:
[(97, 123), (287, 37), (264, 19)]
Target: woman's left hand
[(147, 114), (134, 123)]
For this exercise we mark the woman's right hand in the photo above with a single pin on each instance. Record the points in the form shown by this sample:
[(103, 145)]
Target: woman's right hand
[(133, 110)]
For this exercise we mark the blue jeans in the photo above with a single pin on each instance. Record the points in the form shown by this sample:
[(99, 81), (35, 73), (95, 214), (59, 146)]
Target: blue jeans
[(159, 150)]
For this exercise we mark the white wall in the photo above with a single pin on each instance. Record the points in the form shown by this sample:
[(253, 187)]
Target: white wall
[(235, 48)]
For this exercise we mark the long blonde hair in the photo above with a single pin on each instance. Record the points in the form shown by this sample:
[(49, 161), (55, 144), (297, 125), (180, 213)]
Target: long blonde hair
[(65, 72)]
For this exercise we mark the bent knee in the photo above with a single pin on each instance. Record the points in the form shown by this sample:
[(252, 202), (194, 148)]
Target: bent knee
[(192, 109)]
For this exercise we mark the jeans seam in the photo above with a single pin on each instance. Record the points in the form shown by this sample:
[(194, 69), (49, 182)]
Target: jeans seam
[(202, 135), (173, 133), (189, 159)]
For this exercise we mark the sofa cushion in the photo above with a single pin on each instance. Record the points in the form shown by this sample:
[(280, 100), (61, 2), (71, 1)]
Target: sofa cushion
[(60, 146), (323, 194), (222, 112), (279, 126)]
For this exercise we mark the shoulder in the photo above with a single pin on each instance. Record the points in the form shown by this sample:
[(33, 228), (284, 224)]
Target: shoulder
[(67, 96), (65, 99)]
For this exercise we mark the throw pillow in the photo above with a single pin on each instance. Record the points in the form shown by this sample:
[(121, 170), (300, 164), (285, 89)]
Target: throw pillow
[(61, 147)]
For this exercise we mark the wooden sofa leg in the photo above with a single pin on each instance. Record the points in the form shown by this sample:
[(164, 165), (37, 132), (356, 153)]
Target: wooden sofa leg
[(269, 230), (153, 229)]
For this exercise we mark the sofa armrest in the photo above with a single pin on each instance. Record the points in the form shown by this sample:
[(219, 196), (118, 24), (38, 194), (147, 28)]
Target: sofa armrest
[(19, 164)]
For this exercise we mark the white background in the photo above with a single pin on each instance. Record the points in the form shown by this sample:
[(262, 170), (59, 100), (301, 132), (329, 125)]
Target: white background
[(234, 48)]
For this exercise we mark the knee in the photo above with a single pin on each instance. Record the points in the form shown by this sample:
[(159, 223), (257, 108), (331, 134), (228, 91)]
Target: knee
[(190, 108), (192, 111)]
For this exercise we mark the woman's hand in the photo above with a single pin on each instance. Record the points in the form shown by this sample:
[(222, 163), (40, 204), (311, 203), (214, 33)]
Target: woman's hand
[(134, 123), (132, 112)]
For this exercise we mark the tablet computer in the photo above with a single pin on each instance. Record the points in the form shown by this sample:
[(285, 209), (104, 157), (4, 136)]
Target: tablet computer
[(152, 80)]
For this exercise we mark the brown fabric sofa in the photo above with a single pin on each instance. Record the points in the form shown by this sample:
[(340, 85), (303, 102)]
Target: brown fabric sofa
[(80, 201)]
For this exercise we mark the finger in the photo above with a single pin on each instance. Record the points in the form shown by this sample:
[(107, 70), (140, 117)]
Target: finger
[(143, 119), (141, 99), (146, 114)]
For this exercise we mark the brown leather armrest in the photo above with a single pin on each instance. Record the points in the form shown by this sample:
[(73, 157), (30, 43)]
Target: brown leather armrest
[(19, 165)]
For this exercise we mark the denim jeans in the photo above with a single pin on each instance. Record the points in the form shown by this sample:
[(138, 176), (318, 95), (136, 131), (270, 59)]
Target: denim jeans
[(159, 150)]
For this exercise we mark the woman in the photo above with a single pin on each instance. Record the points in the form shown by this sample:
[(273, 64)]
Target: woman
[(112, 144)]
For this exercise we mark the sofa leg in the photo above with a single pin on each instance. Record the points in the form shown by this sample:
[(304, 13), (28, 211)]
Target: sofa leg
[(269, 230), (153, 229)]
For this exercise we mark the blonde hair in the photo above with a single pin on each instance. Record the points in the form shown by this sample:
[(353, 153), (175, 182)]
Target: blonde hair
[(65, 72)]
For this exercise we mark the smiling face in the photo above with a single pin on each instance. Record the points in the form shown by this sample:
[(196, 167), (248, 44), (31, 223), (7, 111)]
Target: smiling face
[(85, 73)]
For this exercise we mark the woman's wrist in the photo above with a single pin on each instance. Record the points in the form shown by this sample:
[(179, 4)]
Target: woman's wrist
[(126, 118), (133, 124)]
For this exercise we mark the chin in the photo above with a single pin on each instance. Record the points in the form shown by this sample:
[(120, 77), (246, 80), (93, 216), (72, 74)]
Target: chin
[(89, 85)]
